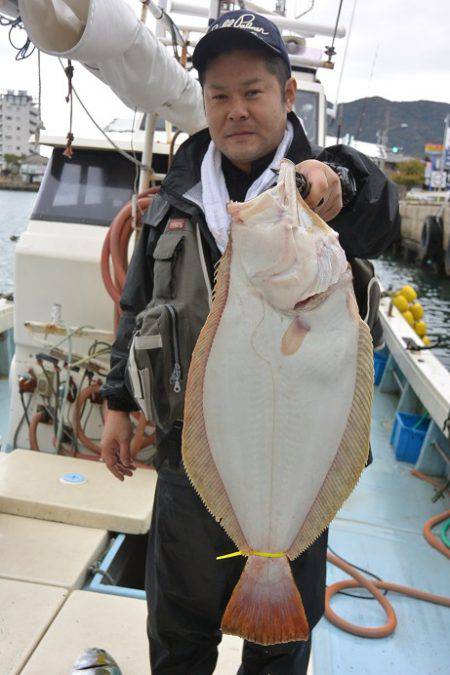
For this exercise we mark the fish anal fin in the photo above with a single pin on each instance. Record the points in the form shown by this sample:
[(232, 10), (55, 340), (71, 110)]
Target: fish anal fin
[(266, 607), (294, 336)]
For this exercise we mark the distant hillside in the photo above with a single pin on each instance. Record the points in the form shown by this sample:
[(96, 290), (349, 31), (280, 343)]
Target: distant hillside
[(425, 119)]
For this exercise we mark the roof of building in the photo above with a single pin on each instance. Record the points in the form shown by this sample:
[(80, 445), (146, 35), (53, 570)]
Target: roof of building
[(34, 158)]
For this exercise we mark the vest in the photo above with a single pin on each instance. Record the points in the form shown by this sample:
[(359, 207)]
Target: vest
[(167, 329)]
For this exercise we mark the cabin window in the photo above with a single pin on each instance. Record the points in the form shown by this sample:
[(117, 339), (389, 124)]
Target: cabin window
[(90, 188), (160, 124), (307, 108)]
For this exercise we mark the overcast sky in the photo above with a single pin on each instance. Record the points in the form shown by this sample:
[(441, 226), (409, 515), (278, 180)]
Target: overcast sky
[(410, 39)]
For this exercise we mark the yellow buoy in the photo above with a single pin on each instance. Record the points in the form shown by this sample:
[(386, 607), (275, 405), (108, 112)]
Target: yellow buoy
[(420, 327), (409, 317), (400, 302), (417, 310), (426, 340), (409, 293)]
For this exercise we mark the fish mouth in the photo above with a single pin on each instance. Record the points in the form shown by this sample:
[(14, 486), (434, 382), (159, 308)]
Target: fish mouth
[(301, 304), (314, 301)]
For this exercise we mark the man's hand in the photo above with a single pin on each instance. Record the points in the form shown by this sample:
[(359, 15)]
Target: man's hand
[(115, 444), (325, 197)]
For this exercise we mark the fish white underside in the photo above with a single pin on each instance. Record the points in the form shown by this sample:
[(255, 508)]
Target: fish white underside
[(274, 422)]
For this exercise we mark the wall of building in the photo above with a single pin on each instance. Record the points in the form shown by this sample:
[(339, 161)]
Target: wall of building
[(18, 120)]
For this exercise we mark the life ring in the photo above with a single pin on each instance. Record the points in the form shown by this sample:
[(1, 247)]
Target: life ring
[(430, 247)]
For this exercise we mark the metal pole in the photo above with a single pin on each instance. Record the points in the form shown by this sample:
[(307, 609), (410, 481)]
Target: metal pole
[(445, 147), (180, 7), (340, 119), (213, 13), (145, 175), (384, 137)]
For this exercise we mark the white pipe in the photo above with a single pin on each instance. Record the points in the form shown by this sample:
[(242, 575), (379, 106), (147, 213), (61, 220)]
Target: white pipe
[(111, 42), (186, 8), (295, 59), (281, 21), (298, 60), (192, 28), (9, 8), (145, 175)]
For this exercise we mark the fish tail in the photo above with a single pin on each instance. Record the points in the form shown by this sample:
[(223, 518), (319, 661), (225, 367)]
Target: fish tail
[(266, 606)]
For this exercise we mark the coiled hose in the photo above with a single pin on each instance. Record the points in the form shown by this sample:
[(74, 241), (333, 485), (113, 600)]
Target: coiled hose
[(358, 580), (115, 247)]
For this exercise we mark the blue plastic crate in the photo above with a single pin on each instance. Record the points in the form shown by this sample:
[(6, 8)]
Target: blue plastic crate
[(406, 439), (379, 364)]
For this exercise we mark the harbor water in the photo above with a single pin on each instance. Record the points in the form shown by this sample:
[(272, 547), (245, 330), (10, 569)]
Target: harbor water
[(433, 292)]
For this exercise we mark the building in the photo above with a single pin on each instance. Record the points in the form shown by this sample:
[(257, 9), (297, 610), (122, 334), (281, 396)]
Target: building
[(18, 120), (32, 168)]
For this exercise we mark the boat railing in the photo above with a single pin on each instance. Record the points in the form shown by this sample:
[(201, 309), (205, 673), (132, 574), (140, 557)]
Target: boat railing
[(423, 385)]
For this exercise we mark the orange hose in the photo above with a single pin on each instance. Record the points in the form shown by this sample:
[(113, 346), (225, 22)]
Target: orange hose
[(142, 441), (86, 393), (115, 246), (37, 419), (139, 441), (430, 537), (373, 585)]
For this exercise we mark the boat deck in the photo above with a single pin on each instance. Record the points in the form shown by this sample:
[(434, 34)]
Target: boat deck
[(380, 529)]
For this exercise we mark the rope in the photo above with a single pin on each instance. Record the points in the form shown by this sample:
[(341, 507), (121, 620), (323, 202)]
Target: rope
[(440, 342), (68, 152), (127, 156), (261, 554), (96, 569), (311, 6)]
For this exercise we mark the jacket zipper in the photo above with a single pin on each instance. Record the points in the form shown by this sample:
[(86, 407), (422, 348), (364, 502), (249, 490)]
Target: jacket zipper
[(203, 263), (176, 373)]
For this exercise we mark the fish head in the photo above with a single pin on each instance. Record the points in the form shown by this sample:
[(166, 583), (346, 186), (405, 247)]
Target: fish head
[(95, 661), (289, 254)]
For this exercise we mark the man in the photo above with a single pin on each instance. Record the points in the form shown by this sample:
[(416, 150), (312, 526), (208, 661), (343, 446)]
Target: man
[(249, 96)]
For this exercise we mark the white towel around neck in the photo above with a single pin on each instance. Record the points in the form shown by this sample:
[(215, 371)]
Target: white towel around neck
[(215, 195)]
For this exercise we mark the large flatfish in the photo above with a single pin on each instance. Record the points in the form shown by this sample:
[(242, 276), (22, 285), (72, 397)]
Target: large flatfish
[(278, 401)]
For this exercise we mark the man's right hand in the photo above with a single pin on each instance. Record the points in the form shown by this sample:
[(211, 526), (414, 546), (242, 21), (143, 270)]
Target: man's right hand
[(115, 444)]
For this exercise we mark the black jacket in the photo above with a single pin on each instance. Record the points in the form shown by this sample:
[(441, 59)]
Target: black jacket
[(366, 228)]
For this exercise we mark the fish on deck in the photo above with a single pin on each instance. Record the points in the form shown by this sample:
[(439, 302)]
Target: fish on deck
[(95, 661), (278, 401)]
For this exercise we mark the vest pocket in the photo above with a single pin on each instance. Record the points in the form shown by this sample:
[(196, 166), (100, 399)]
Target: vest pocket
[(141, 381), (155, 365), (166, 253)]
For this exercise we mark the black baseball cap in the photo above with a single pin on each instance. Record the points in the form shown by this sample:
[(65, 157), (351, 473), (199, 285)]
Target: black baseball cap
[(257, 28)]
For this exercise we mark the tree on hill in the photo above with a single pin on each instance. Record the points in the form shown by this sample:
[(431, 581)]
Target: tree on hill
[(364, 117), (409, 174)]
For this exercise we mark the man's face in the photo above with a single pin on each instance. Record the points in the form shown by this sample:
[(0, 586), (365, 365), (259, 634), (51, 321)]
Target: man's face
[(245, 109)]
